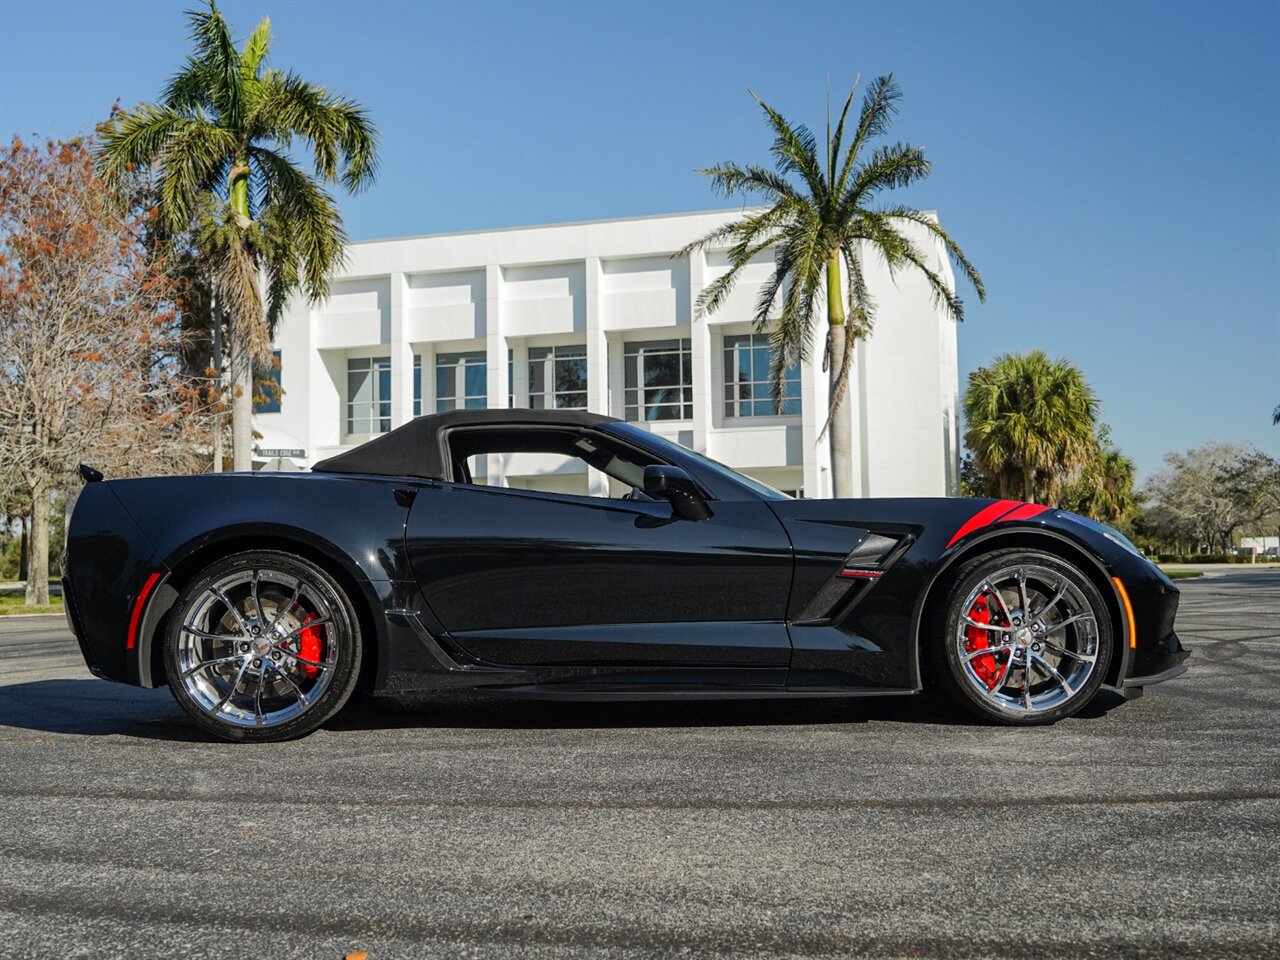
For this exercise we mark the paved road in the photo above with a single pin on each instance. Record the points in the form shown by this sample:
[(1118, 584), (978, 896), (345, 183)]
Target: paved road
[(1147, 829)]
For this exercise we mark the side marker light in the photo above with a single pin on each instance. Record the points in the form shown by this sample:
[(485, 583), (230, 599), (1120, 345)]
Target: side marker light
[(1128, 612)]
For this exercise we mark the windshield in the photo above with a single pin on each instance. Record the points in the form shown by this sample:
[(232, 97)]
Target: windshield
[(662, 444)]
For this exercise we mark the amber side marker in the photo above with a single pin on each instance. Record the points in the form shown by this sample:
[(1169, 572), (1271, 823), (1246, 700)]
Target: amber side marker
[(1128, 612)]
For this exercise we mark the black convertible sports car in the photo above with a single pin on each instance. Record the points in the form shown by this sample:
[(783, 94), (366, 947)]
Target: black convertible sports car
[(265, 600)]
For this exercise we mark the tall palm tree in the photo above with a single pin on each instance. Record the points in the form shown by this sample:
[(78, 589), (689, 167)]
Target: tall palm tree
[(219, 144), (820, 216), (1030, 422)]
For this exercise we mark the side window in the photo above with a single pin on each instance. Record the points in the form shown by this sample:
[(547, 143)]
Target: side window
[(550, 460)]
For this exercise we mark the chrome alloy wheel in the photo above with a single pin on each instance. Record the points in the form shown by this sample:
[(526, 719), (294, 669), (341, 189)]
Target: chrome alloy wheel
[(256, 648), (1027, 639)]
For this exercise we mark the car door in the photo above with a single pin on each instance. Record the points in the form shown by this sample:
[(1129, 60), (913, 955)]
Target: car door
[(525, 577)]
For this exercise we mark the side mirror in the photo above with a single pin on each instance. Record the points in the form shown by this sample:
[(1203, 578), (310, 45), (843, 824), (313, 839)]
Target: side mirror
[(671, 483)]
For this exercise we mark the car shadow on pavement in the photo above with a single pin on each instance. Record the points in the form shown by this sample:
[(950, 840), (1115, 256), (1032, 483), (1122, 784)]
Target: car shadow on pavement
[(95, 708), (99, 708)]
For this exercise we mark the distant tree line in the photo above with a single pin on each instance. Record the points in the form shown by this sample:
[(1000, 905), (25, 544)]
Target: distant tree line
[(1032, 432)]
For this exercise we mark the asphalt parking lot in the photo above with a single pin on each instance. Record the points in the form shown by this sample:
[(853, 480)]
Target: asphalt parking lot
[(868, 828)]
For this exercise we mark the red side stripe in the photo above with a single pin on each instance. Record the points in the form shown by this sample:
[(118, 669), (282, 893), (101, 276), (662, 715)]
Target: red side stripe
[(983, 517), (138, 606), (1024, 512), (863, 574)]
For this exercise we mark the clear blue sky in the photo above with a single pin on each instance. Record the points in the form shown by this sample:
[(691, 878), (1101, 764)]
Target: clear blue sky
[(1112, 168)]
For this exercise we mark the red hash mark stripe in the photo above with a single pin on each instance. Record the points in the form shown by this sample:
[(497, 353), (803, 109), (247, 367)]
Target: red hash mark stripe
[(138, 606), (1002, 511)]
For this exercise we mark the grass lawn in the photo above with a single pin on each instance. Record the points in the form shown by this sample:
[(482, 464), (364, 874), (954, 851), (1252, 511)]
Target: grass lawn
[(11, 603), (1182, 574)]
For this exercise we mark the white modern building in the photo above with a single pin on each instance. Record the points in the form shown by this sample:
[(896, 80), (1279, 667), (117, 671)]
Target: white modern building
[(600, 315)]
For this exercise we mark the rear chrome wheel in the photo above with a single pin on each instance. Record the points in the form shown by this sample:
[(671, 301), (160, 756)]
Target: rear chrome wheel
[(262, 646), (1027, 636)]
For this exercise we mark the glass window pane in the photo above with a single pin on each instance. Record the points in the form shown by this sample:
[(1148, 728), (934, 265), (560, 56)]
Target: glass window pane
[(446, 381), (359, 386), (571, 375), (476, 376), (662, 370), (760, 363)]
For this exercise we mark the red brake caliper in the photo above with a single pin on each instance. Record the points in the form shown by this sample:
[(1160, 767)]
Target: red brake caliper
[(986, 668), (309, 646)]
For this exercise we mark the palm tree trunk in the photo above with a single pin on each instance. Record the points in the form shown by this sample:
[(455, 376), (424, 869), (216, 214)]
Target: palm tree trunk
[(241, 410), (841, 423), (218, 423), (1028, 484), (242, 362)]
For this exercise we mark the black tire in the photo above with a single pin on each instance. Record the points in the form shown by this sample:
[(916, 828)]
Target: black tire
[(1065, 637), (306, 692)]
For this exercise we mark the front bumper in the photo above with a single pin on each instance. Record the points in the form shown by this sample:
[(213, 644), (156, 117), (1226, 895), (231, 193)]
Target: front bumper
[(1156, 654)]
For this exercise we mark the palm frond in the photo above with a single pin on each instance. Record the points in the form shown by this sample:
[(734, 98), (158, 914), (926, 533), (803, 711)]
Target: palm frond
[(795, 150), (310, 217), (342, 138), (791, 333), (216, 52), (192, 160), (834, 143), (135, 137), (254, 53), (188, 90), (879, 104), (953, 249), (890, 167)]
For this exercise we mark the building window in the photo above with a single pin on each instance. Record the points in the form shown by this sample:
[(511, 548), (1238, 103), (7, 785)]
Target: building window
[(746, 379), (368, 395), (266, 384), (658, 381), (558, 378), (417, 385), (461, 381)]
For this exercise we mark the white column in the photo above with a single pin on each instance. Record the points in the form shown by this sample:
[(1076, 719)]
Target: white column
[(496, 362), (861, 431), (617, 378), (706, 395), (597, 365), (401, 357), (813, 414)]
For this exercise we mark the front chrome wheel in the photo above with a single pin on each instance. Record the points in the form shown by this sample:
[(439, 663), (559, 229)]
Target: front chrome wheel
[(262, 645), (1027, 637)]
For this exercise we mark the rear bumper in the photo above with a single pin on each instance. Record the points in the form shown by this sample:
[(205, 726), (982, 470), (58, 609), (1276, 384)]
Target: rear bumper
[(76, 625)]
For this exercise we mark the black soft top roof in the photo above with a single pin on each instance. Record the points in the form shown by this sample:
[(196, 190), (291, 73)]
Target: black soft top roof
[(417, 449)]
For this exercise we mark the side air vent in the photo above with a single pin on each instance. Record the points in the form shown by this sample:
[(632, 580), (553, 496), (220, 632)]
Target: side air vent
[(869, 553), (868, 559)]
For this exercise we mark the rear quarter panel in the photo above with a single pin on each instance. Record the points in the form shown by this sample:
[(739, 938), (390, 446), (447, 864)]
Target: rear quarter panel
[(123, 530)]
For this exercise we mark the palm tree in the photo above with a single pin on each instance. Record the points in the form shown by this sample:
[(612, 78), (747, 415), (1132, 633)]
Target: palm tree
[(1030, 419), (820, 217), (219, 143)]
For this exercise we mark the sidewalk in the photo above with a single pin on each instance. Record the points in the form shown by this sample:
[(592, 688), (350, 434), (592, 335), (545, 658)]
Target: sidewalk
[(1221, 568)]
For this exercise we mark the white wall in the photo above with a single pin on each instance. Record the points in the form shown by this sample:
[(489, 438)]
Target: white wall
[(604, 284)]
